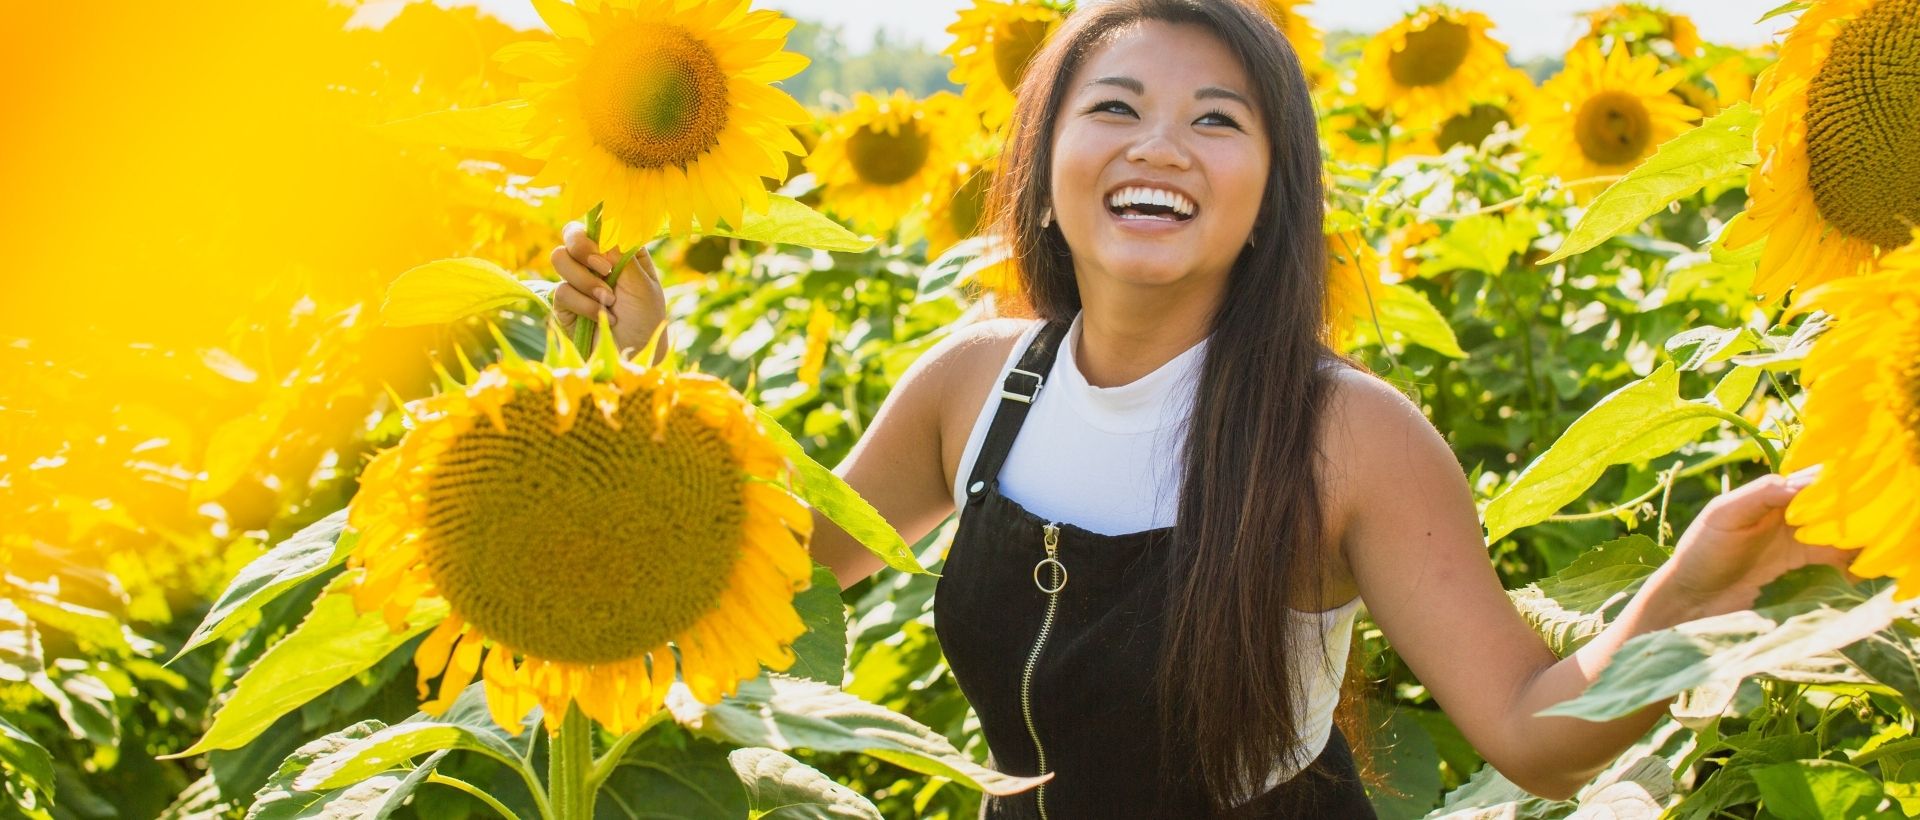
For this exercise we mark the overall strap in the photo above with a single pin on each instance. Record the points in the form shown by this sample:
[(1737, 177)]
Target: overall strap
[(1017, 393)]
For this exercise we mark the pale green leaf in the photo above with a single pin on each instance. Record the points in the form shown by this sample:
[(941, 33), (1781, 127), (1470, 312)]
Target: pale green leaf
[(1483, 242), (667, 769), (392, 747), (1658, 665), (789, 713), (1573, 605), (789, 222), (1642, 420), (316, 548), (334, 643), (1719, 148), (782, 788), (1408, 318), (1819, 789), (26, 759), (447, 290), (828, 493), (374, 797)]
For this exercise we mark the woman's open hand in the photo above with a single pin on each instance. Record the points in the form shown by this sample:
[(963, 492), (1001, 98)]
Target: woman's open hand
[(1740, 542), (634, 304)]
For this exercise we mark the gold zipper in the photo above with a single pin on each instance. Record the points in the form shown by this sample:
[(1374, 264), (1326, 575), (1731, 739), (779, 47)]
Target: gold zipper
[(1056, 581)]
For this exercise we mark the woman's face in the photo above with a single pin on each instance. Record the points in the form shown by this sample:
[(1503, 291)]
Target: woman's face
[(1159, 160)]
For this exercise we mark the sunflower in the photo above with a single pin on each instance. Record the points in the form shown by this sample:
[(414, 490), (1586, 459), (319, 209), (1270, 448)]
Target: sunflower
[(580, 519), (1305, 39), (1431, 64), (660, 110), (1496, 105), (992, 43), (1403, 248), (1863, 421), (882, 158), (1602, 115), (1839, 179), (1645, 28), (1353, 268)]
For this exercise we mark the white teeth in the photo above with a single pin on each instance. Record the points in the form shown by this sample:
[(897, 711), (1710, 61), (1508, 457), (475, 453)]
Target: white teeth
[(1137, 195)]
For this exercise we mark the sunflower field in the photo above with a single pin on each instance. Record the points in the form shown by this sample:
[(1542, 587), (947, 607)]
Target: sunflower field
[(312, 505)]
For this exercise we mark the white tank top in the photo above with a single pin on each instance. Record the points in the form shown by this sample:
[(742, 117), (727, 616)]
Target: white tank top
[(1107, 459)]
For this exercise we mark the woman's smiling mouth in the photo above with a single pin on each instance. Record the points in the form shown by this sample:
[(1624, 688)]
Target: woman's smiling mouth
[(1147, 202)]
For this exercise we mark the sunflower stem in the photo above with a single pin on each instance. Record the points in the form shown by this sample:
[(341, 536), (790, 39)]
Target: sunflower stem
[(569, 765), (1773, 455), (610, 760)]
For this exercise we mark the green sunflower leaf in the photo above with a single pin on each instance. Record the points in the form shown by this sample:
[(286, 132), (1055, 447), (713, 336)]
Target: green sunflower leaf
[(322, 545), (1643, 420), (788, 222), (1721, 147), (821, 651), (779, 786), (374, 797), (447, 290), (826, 492), (1407, 318), (29, 762), (392, 747), (334, 643), (785, 713), (1815, 789)]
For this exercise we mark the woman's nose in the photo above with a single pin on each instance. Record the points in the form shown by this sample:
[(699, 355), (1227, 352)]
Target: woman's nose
[(1156, 147)]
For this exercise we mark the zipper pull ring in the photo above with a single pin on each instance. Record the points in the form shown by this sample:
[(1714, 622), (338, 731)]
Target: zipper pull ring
[(1053, 551)]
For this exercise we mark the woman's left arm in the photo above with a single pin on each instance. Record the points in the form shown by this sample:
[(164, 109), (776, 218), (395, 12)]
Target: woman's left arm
[(1406, 521)]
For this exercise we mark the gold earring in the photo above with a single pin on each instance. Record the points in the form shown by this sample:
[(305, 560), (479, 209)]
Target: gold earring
[(1046, 219)]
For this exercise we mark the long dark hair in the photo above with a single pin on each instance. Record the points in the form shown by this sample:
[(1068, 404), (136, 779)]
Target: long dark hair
[(1250, 528)]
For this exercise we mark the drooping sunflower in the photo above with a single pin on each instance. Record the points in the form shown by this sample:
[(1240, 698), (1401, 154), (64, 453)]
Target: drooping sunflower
[(1301, 34), (993, 42), (1601, 116), (578, 520), (1431, 65), (883, 157), (1863, 422), (1839, 179), (1644, 28), (661, 110)]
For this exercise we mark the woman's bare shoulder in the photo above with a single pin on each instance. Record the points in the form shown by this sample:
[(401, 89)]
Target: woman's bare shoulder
[(958, 373)]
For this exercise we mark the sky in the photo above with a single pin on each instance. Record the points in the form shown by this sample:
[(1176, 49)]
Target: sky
[(1530, 28)]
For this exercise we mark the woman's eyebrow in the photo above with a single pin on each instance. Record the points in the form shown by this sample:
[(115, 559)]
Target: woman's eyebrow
[(1216, 92), (1127, 83)]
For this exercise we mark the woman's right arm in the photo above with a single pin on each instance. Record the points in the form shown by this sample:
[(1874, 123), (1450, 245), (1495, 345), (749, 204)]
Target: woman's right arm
[(896, 465)]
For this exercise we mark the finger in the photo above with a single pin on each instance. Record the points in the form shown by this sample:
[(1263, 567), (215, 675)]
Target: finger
[(1757, 502), (582, 280), (573, 301), (583, 249)]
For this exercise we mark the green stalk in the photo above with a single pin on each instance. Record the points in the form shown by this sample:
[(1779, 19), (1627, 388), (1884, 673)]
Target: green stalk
[(569, 767)]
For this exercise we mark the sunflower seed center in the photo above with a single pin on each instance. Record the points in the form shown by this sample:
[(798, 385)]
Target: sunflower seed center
[(1863, 126), (1014, 44), (1471, 128), (1613, 128), (654, 96), (1431, 55), (882, 158), (591, 546)]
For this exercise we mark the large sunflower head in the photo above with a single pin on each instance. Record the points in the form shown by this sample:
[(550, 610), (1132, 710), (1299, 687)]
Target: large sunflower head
[(1863, 422), (1839, 175), (1644, 28), (661, 110), (1600, 116), (992, 43), (583, 522), (882, 158), (1431, 65)]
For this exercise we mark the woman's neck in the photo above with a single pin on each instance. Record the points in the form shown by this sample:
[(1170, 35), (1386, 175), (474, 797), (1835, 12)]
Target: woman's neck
[(1121, 342)]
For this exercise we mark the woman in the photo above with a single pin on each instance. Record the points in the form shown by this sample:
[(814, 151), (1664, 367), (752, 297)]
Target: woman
[(1172, 495)]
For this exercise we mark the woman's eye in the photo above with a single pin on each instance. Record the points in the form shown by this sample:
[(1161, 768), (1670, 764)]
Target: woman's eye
[(1114, 106), (1221, 117)]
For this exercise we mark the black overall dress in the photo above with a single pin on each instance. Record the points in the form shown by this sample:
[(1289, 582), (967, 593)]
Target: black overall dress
[(1063, 682)]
